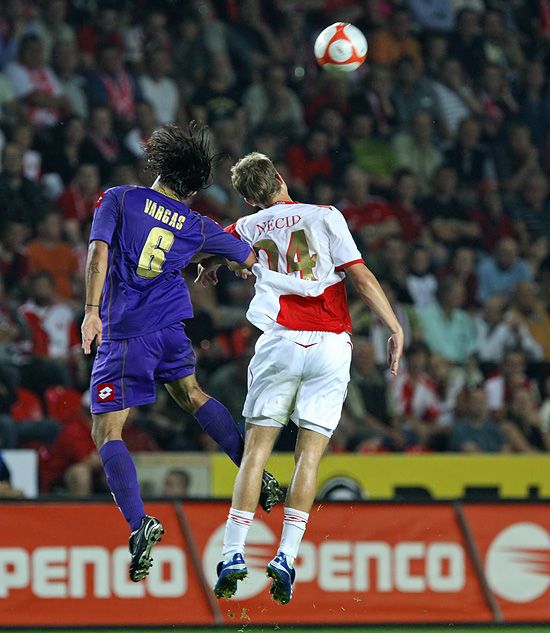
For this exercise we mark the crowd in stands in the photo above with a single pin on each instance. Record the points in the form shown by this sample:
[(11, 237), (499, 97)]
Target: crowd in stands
[(437, 152)]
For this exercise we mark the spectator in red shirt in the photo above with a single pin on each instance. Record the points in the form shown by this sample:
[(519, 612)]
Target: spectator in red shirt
[(368, 216), (103, 31), (55, 340), (403, 206), (72, 460), (78, 200), (310, 160)]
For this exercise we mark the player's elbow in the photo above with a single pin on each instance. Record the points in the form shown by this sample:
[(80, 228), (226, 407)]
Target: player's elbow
[(361, 277), (98, 250)]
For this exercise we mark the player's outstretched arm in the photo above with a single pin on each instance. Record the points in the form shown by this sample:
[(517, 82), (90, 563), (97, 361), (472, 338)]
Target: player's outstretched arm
[(372, 294), (208, 268), (96, 271)]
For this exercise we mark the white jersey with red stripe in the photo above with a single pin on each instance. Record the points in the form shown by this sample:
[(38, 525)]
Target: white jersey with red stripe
[(303, 250)]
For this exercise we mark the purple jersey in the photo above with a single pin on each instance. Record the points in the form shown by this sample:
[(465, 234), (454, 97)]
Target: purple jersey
[(152, 237)]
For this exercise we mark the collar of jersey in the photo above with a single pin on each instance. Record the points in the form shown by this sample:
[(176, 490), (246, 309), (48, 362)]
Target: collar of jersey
[(165, 193), (285, 202)]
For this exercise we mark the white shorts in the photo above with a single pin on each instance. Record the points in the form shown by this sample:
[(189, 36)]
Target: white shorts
[(302, 376)]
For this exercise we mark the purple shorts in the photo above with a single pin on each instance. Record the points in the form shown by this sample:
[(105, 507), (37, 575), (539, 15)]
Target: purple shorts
[(125, 371)]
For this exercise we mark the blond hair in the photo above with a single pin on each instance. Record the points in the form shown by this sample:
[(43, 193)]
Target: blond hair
[(254, 177)]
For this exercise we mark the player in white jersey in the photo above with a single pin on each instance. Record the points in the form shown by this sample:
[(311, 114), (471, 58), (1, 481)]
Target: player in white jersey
[(300, 369)]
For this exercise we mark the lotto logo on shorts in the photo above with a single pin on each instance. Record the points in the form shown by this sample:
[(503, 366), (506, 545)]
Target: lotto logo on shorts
[(106, 392)]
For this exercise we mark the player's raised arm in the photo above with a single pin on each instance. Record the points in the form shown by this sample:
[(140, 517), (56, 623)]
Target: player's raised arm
[(371, 293)]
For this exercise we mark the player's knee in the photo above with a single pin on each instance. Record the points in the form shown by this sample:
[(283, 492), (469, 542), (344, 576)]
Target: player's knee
[(99, 433)]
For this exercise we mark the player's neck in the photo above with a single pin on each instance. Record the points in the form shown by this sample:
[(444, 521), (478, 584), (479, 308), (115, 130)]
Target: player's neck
[(280, 197), (166, 191)]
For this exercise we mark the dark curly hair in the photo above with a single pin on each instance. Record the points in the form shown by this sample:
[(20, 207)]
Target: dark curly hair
[(182, 158)]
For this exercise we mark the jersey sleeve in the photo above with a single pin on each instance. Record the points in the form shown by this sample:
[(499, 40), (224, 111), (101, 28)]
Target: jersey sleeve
[(343, 249), (106, 214), (220, 242)]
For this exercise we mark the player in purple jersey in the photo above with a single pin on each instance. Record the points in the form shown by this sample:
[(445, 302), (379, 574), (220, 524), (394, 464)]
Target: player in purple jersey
[(136, 299)]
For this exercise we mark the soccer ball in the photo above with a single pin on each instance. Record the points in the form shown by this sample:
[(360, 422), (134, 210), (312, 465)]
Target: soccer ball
[(341, 47)]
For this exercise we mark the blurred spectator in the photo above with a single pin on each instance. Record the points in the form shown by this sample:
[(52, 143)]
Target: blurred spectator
[(23, 134), (516, 159), (415, 150), (523, 427), (495, 334), (12, 337), (491, 218), (396, 41), (63, 156), (469, 158), (456, 99), (21, 200), (377, 98), (228, 383), (219, 97), (50, 254), (448, 330), (65, 60), (159, 89), (437, 16), (450, 223), (145, 124), (112, 86), (274, 103), (371, 154), (449, 381), (466, 42), (476, 432), (370, 217), (367, 399), (530, 312), (496, 99), (99, 32), (534, 100), (462, 266), (500, 386), (500, 274), (72, 461), (14, 261), (412, 92), (147, 36), (309, 159), (36, 85), (544, 410), (176, 484), (499, 43), (53, 27), (101, 147), (78, 201), (332, 123), (404, 207), (532, 212), (421, 282), (414, 402), (332, 90)]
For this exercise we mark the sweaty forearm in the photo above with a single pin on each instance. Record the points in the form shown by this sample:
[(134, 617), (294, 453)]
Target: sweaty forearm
[(96, 272)]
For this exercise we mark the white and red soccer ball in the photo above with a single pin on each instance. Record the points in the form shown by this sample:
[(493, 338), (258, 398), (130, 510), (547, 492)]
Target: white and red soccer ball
[(341, 47)]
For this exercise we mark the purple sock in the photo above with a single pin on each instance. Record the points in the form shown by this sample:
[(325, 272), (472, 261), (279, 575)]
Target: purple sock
[(216, 420), (123, 481)]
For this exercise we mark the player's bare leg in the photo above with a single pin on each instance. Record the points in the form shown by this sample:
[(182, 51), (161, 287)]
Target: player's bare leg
[(215, 419), (123, 482), (310, 447), (246, 492)]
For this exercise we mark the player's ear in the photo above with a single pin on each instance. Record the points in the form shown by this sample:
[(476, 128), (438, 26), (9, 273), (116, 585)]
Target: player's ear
[(192, 194), (249, 202)]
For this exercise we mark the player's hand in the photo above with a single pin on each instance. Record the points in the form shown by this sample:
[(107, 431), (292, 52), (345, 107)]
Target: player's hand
[(395, 351), (92, 329), (243, 273), (207, 275)]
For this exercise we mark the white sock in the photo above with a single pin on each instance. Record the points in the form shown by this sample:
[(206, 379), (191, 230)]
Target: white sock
[(236, 529), (294, 526)]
